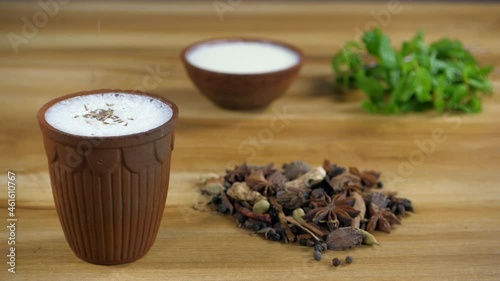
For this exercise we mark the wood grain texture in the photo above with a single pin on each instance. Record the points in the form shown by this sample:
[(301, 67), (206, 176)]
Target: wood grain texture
[(453, 235)]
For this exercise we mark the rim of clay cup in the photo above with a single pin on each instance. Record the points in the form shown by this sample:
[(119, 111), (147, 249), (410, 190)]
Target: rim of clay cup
[(108, 141)]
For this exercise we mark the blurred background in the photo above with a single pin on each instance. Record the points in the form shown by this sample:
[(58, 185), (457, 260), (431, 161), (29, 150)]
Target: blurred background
[(53, 47)]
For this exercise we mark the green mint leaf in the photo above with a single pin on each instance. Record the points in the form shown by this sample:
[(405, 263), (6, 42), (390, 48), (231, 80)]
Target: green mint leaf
[(379, 45), (443, 75), (370, 86), (423, 85), (405, 89), (387, 54), (372, 39)]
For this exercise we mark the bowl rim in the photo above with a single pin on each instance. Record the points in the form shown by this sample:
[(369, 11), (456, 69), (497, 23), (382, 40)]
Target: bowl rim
[(212, 40)]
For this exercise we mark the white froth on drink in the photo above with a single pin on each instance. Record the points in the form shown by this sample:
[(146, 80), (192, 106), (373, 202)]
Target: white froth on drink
[(240, 57), (108, 114)]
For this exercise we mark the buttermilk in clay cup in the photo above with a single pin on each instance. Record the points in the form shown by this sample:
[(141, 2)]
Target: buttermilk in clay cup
[(242, 73), (109, 157)]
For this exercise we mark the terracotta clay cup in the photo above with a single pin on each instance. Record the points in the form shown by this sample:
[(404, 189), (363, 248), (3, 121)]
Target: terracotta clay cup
[(242, 91), (109, 192)]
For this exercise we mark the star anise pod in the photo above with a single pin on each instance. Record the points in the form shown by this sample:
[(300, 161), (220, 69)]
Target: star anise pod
[(337, 212), (332, 170), (238, 174), (344, 180), (318, 202), (378, 198), (318, 193), (291, 198), (399, 206), (381, 219), (368, 178), (267, 170), (350, 189), (278, 179), (256, 181)]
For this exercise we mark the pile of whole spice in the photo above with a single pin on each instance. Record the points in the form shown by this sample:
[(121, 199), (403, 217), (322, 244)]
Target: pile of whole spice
[(328, 207)]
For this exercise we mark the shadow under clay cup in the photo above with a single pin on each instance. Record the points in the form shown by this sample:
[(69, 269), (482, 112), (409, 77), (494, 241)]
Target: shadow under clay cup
[(109, 192)]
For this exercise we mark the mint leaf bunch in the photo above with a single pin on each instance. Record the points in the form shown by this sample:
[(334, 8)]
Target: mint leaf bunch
[(443, 75)]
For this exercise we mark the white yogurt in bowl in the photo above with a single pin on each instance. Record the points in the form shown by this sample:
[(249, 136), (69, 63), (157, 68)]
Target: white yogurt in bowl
[(242, 57)]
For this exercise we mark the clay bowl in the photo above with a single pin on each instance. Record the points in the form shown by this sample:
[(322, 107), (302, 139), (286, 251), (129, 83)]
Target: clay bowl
[(252, 90)]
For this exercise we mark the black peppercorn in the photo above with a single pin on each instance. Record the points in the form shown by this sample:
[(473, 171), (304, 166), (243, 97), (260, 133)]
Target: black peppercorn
[(222, 209), (256, 226), (336, 262), (276, 237), (281, 231), (268, 232), (216, 200), (319, 248), (303, 242), (348, 259), (310, 243), (380, 184), (317, 255), (273, 214), (295, 229), (241, 218)]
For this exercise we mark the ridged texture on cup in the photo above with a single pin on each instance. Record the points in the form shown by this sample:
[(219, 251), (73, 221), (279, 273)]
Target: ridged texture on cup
[(110, 192)]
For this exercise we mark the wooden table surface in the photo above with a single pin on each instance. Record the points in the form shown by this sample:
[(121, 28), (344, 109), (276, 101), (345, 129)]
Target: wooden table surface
[(454, 233)]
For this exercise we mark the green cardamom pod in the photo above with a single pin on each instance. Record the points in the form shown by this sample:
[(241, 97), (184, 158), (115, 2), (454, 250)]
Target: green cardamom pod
[(261, 206), (298, 214), (369, 239), (214, 188)]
